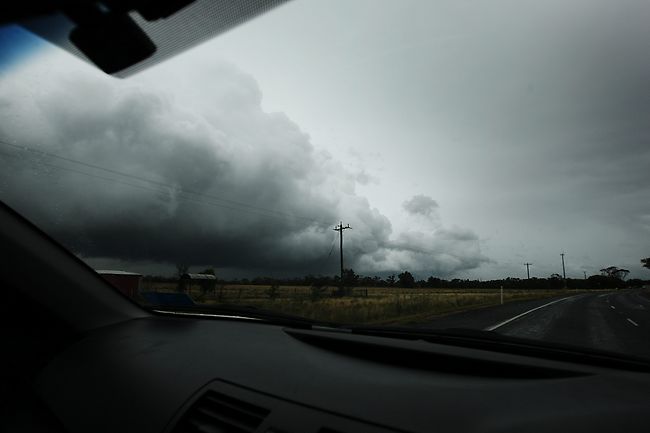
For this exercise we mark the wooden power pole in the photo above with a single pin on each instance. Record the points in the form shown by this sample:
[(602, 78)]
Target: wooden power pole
[(528, 269), (563, 270), (339, 228)]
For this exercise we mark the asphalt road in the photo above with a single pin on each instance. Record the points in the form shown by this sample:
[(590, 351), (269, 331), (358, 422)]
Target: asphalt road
[(617, 321)]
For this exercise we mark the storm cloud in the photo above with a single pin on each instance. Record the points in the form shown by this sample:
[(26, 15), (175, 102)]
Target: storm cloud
[(526, 123), (420, 205), (126, 173), (426, 243)]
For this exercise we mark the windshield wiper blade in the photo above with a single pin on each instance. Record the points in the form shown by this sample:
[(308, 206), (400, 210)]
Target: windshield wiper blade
[(241, 312)]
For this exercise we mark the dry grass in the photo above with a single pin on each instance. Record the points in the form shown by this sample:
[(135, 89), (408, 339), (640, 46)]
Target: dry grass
[(366, 305)]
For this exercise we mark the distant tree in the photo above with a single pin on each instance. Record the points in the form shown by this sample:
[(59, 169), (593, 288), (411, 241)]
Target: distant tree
[(405, 279), (555, 282), (182, 269), (615, 272), (208, 271), (622, 274), (646, 262), (390, 280), (350, 279)]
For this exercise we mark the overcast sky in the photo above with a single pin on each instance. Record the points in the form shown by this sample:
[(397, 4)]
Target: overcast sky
[(457, 138)]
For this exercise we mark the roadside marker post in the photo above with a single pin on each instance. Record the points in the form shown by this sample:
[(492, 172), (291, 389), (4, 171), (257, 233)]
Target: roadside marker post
[(501, 295)]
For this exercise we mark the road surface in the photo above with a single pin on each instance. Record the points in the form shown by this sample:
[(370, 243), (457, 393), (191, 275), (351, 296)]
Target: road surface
[(617, 321)]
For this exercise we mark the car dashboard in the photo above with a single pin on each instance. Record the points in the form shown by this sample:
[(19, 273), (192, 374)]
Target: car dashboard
[(171, 374)]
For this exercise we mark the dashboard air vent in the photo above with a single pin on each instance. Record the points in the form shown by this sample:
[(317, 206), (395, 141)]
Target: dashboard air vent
[(218, 413)]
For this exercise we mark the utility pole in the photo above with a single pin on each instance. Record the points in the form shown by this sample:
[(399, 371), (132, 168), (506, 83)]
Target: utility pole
[(563, 270), (585, 272), (528, 269), (339, 228)]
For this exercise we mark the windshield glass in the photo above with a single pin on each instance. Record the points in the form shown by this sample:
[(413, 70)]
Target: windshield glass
[(448, 164)]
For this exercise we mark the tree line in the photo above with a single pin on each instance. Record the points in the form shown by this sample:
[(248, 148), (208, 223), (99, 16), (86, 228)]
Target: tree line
[(610, 278)]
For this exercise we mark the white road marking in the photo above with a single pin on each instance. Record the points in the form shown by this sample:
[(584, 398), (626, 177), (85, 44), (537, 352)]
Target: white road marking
[(632, 322), (498, 325), (612, 307), (603, 295)]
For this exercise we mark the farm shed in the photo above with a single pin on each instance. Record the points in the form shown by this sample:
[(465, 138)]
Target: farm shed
[(206, 282), (126, 282)]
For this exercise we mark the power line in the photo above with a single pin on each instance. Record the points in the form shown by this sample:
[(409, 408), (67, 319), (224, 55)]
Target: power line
[(183, 194), (326, 259), (229, 204), (331, 248), (151, 181), (160, 191)]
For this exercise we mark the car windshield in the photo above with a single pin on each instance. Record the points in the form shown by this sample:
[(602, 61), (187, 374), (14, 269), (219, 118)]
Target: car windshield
[(448, 164)]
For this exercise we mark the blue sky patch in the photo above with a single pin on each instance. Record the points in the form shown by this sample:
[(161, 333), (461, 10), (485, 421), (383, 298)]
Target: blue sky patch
[(16, 44)]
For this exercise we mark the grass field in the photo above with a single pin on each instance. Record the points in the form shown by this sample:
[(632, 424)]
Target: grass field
[(365, 305)]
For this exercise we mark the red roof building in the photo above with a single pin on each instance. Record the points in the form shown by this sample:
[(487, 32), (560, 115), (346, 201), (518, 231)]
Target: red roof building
[(126, 282)]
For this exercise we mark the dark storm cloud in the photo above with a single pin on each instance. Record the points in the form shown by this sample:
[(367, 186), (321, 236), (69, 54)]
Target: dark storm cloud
[(121, 171)]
